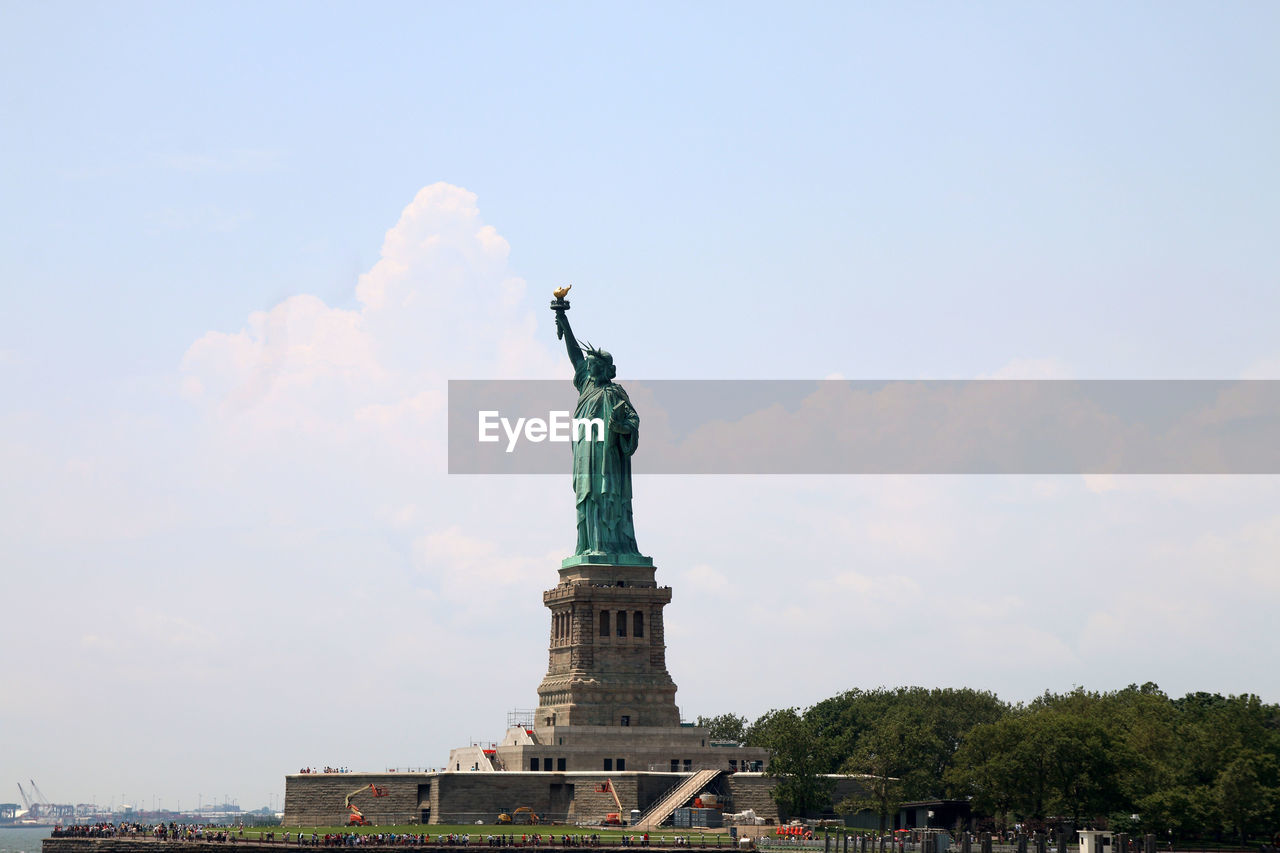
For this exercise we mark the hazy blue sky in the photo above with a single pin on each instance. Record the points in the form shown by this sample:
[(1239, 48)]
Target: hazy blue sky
[(243, 247)]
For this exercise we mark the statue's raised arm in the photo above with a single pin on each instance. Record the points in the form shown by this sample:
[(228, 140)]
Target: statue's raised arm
[(560, 305)]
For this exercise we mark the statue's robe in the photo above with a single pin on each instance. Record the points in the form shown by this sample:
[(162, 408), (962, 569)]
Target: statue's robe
[(602, 469)]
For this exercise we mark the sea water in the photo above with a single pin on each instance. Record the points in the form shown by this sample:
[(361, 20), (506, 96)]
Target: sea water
[(23, 839)]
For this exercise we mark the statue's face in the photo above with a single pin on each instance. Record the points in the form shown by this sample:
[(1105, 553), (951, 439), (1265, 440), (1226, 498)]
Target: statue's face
[(598, 368)]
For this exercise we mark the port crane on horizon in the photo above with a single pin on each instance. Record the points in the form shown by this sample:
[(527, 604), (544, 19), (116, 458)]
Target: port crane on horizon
[(39, 806), (40, 797)]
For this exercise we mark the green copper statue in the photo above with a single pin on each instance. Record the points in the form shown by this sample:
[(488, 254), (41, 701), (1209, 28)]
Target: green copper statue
[(601, 464)]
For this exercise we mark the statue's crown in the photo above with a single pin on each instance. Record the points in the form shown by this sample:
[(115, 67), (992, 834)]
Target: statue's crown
[(596, 353)]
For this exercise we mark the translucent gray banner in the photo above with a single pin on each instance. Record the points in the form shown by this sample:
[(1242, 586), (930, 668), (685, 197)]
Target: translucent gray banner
[(885, 427)]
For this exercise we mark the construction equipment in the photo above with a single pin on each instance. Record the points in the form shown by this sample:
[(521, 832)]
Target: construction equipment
[(524, 814), (373, 789), (612, 818), (356, 817), (40, 797), (35, 808)]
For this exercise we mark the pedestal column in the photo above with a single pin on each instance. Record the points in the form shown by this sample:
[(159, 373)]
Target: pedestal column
[(607, 661)]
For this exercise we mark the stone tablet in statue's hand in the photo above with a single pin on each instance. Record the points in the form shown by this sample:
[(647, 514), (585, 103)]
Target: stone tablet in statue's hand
[(624, 417)]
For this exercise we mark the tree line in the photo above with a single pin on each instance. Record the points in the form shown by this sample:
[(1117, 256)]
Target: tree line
[(1136, 760)]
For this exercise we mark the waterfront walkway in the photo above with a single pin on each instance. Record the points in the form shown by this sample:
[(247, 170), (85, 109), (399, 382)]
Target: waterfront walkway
[(112, 839)]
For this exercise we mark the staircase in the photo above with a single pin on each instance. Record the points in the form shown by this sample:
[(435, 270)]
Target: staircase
[(677, 797)]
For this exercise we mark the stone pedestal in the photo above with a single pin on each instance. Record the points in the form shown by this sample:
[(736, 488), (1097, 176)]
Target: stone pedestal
[(607, 658), (607, 703)]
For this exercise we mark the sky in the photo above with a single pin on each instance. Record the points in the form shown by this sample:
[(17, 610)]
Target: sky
[(244, 247)]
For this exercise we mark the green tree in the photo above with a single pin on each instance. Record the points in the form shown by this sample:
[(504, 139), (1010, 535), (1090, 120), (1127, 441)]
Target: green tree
[(1038, 761), (942, 715), (1229, 751), (885, 754), (985, 768), (1203, 763), (1083, 765), (725, 727), (1143, 724), (1246, 793), (1170, 809), (798, 760)]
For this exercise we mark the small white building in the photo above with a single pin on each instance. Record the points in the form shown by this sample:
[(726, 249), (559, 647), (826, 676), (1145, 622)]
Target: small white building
[(1095, 841)]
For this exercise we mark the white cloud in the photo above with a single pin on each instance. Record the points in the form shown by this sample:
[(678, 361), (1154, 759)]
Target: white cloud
[(440, 302), (463, 565), (703, 577), (1031, 368), (294, 362), (1267, 368), (1102, 483), (330, 422), (877, 590)]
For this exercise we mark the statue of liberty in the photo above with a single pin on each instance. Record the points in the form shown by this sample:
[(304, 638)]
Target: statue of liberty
[(601, 463)]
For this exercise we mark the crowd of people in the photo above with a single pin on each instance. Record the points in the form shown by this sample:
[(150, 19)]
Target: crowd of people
[(453, 839), (95, 830), (326, 770), (173, 831)]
